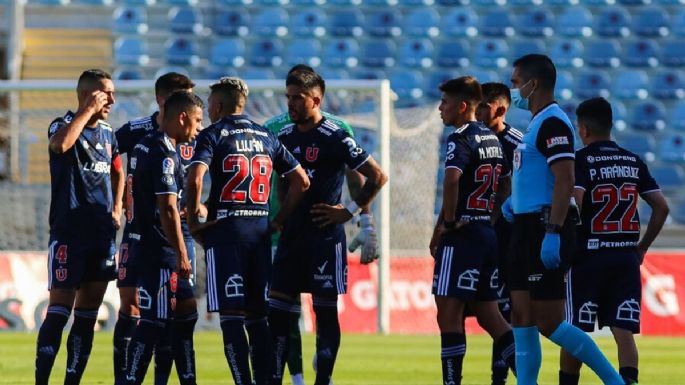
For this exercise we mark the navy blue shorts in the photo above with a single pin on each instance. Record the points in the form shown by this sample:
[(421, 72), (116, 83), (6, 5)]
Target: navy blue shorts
[(158, 291), (604, 287), (311, 264), (72, 261), (465, 264)]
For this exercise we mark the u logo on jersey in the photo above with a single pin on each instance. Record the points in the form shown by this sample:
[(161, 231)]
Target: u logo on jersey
[(185, 151), (311, 154)]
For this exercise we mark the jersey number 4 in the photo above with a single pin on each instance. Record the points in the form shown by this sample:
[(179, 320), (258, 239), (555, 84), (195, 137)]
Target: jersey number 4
[(258, 168), (489, 177), (611, 196)]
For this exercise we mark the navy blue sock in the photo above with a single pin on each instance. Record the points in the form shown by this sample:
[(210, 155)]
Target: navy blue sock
[(498, 365), (236, 348), (507, 351), (568, 378), (279, 325), (140, 349), (49, 340), (260, 349), (295, 348), (628, 373), (184, 348), (164, 357), (79, 344), (327, 338), (123, 331), (453, 349)]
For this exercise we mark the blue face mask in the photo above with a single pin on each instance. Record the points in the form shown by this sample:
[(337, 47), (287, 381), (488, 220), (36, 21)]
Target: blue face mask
[(517, 100)]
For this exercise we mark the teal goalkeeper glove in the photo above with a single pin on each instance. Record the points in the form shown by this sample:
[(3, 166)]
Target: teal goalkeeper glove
[(550, 251)]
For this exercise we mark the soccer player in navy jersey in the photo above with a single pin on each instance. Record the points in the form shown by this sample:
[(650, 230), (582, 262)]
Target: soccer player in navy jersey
[(474, 165), (604, 282), (86, 180), (311, 253), (157, 248), (543, 236), (491, 111), (240, 157), (128, 136)]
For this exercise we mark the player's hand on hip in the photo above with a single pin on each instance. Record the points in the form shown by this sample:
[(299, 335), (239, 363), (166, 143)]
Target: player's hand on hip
[(508, 211), (550, 250), (324, 215), (197, 229), (367, 239), (184, 268)]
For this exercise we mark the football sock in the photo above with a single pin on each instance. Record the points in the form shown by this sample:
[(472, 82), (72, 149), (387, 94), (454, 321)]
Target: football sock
[(164, 358), (79, 344), (453, 349), (581, 346), (279, 325), (528, 354), (260, 349), (506, 348), (295, 351), (139, 351), (499, 367), (236, 348), (327, 338), (568, 378), (184, 348), (297, 379), (628, 373), (123, 331), (49, 340)]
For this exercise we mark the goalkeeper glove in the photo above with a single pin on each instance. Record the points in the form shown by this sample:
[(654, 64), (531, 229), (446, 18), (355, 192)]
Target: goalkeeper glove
[(367, 239)]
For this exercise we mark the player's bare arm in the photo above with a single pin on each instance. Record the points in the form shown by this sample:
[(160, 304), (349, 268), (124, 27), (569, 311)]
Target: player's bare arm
[(657, 202), (65, 138), (298, 183), (564, 178), (355, 182), (195, 208), (118, 176), (325, 215), (171, 224)]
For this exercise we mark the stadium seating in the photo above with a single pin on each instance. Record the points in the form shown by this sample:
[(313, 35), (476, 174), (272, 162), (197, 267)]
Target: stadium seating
[(436, 78), (620, 115), (612, 22), (672, 148), (567, 53), (128, 73), (384, 23), (131, 50), (342, 53), (641, 53), (677, 26), (673, 53), (564, 87), (650, 22), (227, 52), (266, 53), (603, 53), (130, 20), (648, 115), (574, 22), (497, 23), (346, 22), (670, 178), (306, 50), (677, 116), (309, 23), (642, 144), (592, 83), (185, 20), (453, 53), (138, 2), (379, 53), (231, 23), (459, 22), (416, 53), (630, 84), (491, 53), (537, 22), (520, 47), (422, 22), (407, 84), (182, 51), (271, 22)]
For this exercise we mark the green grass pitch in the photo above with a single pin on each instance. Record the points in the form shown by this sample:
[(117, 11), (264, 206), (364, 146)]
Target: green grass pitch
[(362, 360)]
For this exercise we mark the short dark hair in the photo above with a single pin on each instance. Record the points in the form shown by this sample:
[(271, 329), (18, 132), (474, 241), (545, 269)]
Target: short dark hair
[(181, 101), (89, 77), (306, 79), (300, 67), (465, 88), (540, 67), (496, 91), (232, 91), (171, 82), (596, 115)]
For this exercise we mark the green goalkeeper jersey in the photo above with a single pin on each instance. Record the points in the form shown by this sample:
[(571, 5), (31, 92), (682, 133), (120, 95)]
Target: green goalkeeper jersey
[(275, 125)]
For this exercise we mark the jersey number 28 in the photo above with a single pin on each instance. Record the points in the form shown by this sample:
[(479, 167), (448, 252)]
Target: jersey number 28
[(258, 168)]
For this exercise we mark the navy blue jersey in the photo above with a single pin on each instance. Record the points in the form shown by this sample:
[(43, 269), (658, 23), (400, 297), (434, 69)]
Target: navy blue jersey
[(476, 152), (157, 170), (81, 186), (509, 139), (612, 179), (240, 155), (323, 151)]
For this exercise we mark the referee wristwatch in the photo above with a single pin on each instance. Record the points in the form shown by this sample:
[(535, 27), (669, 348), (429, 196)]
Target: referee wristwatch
[(552, 228)]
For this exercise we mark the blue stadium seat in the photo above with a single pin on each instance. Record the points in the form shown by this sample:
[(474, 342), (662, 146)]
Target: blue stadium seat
[(603, 53), (341, 53), (272, 21), (416, 53), (561, 3), (185, 20), (518, 118), (612, 22), (137, 2), (422, 22), (346, 22), (271, 3), (333, 73), (233, 3), (676, 118), (668, 84), (130, 20), (309, 22), (131, 50), (569, 106), (453, 53), (650, 22), (524, 3), (677, 211), (416, 3), (305, 50), (227, 52), (449, 3), (482, 75), (49, 2), (105, 3), (436, 78), (212, 72), (460, 22), (647, 115), (670, 178), (128, 73), (182, 51), (229, 22), (308, 3), (641, 144), (497, 22), (250, 73), (379, 53), (634, 2), (266, 53), (567, 53), (678, 22), (369, 74), (537, 22), (620, 115), (491, 53), (380, 3), (564, 86), (641, 53), (592, 83), (489, 3), (384, 23), (407, 84), (345, 3), (630, 84), (574, 22), (672, 148), (598, 3), (673, 53), (520, 47)]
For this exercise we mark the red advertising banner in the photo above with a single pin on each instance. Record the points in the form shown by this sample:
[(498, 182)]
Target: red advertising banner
[(663, 294)]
